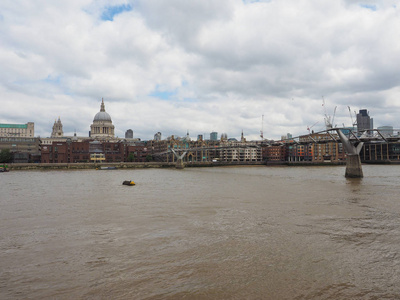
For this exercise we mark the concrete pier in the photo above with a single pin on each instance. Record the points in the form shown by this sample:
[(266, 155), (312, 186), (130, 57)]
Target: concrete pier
[(353, 161), (353, 166), (179, 159), (179, 164)]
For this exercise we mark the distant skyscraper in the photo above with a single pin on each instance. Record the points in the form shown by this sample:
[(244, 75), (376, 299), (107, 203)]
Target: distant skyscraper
[(214, 136), (364, 122), (129, 134), (157, 136), (288, 136)]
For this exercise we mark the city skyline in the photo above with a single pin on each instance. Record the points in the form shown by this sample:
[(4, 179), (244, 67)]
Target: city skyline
[(362, 121), (201, 66)]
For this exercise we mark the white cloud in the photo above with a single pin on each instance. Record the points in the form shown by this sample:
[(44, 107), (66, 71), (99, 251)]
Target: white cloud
[(200, 66)]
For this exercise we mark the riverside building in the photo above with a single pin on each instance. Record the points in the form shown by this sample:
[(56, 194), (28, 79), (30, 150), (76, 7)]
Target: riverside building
[(18, 130), (20, 140)]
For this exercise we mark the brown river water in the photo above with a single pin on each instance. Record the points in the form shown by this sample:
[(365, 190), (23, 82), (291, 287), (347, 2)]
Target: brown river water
[(201, 233)]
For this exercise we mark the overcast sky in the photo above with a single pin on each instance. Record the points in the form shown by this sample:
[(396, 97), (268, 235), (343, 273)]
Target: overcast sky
[(199, 65)]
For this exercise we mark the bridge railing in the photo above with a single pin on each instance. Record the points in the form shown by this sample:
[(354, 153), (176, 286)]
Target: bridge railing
[(330, 135)]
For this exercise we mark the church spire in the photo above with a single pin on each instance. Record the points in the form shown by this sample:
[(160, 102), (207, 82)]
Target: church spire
[(102, 108)]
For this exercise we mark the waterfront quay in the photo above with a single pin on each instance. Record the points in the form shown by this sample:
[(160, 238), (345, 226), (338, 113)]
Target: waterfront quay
[(121, 165)]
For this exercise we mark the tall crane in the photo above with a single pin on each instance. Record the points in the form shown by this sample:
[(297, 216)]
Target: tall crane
[(328, 120), (309, 127), (262, 128), (351, 116)]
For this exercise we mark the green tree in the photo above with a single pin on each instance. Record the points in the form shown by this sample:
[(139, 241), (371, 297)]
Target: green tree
[(131, 157), (149, 157), (5, 156)]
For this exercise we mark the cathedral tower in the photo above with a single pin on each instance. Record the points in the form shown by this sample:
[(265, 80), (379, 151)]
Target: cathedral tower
[(57, 129)]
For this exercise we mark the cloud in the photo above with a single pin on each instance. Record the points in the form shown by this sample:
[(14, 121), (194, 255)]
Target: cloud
[(200, 66)]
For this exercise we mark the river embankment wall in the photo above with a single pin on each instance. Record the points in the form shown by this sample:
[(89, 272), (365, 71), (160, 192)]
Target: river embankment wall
[(72, 166), (121, 165), (143, 165)]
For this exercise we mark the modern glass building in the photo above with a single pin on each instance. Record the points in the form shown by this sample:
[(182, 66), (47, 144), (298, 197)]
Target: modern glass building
[(214, 136)]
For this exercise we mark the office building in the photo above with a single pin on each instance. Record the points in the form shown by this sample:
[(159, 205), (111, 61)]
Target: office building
[(386, 131), (129, 134), (364, 121), (18, 130), (157, 136), (214, 136)]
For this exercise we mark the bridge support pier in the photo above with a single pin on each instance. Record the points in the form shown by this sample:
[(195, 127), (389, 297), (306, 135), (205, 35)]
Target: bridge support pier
[(353, 161), (353, 166), (179, 164), (179, 160)]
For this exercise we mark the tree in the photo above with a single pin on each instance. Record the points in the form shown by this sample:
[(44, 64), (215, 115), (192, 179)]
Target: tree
[(131, 157), (5, 156), (149, 157)]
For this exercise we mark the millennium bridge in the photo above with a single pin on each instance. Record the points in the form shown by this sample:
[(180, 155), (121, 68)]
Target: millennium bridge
[(352, 142)]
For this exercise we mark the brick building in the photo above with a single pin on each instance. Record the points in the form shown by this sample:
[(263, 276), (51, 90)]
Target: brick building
[(275, 153), (70, 151)]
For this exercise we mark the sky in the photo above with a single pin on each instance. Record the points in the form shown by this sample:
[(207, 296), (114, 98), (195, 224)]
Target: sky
[(199, 66)]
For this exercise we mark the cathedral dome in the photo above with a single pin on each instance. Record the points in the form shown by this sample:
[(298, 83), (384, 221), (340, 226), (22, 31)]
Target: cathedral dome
[(102, 116), (102, 126)]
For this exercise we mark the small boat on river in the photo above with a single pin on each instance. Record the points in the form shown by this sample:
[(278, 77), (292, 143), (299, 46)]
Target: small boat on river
[(128, 182), (108, 168)]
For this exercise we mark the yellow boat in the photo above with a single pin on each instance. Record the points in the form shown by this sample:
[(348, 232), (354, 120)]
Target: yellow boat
[(128, 182)]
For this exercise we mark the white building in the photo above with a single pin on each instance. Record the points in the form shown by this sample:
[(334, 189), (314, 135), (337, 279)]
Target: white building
[(18, 130)]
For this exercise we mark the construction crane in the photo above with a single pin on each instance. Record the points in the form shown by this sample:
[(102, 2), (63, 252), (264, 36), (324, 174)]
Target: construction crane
[(262, 128), (309, 127), (351, 116), (328, 120), (333, 117)]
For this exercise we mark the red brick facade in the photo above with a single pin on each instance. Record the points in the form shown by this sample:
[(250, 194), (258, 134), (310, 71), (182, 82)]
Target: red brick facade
[(84, 151)]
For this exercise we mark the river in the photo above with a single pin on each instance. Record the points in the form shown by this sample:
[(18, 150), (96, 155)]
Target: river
[(201, 233)]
